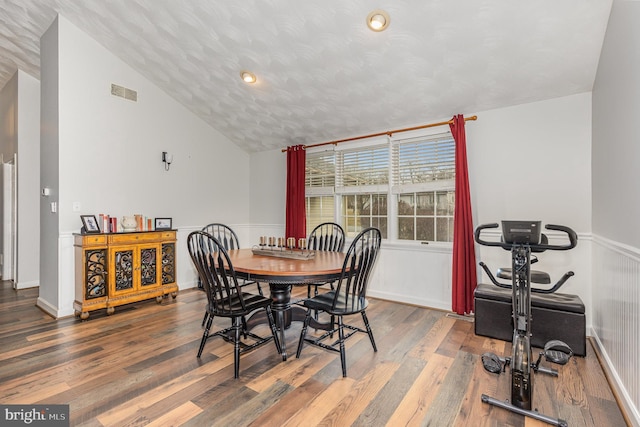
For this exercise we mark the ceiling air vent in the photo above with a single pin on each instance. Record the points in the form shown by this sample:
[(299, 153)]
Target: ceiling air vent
[(124, 92)]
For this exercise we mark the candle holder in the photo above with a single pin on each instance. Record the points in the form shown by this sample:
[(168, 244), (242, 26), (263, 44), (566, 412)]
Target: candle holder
[(263, 241), (291, 243), (272, 242)]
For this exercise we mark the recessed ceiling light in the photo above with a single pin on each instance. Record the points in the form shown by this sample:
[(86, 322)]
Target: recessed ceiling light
[(378, 20), (247, 77)]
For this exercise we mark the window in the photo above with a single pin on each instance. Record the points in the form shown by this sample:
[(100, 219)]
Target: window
[(360, 211), (319, 209), (320, 171), (362, 181), (424, 182), (320, 179), (426, 216), (404, 187)]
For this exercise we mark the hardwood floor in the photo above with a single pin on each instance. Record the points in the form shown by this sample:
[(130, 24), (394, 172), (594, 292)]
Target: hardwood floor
[(139, 367)]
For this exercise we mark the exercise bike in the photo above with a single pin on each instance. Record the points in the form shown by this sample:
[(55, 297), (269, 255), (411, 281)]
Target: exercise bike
[(522, 238)]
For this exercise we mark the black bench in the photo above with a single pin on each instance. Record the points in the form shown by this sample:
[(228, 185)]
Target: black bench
[(555, 316)]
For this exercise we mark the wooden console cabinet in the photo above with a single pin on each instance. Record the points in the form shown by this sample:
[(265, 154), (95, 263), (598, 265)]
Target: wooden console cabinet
[(121, 268)]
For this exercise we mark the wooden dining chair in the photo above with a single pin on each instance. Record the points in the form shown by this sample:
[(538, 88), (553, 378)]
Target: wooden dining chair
[(327, 236), (229, 240), (347, 299), (225, 297)]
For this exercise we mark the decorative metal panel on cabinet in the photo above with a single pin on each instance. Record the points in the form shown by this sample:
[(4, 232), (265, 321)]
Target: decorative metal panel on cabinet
[(121, 268)]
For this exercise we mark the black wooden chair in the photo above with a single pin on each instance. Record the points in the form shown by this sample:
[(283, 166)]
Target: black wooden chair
[(229, 240), (225, 298), (327, 236), (348, 297)]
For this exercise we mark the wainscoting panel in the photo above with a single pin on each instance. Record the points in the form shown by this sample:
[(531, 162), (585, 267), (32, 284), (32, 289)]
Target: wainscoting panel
[(414, 276), (616, 316)]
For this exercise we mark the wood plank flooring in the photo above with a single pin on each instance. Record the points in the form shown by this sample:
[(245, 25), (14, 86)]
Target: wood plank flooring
[(139, 367)]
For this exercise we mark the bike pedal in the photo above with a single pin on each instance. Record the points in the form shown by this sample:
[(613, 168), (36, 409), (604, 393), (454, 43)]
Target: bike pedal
[(491, 363), (557, 357), (557, 352)]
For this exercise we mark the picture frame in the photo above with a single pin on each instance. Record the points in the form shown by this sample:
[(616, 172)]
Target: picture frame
[(162, 224), (89, 224)]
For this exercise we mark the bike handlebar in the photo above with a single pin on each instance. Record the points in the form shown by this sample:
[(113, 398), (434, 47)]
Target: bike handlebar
[(573, 239)]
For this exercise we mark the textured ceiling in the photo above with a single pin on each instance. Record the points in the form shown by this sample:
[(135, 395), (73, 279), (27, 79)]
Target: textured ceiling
[(322, 75)]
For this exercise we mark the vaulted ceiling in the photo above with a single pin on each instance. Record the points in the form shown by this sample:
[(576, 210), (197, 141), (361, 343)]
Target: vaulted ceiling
[(322, 74)]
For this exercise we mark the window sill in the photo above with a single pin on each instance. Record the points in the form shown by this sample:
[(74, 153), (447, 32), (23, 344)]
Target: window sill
[(399, 245)]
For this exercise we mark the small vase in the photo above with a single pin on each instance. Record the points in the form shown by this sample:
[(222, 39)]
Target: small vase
[(128, 223)]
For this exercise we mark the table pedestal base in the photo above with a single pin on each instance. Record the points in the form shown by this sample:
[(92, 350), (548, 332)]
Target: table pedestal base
[(284, 313)]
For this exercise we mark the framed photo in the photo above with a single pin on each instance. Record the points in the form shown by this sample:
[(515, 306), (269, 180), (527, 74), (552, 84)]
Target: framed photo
[(163, 224), (90, 224)]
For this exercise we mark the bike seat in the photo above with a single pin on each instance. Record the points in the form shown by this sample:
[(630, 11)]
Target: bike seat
[(537, 276)]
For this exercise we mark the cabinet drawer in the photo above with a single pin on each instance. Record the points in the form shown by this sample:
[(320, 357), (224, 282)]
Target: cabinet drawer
[(167, 235), (132, 238), (91, 240)]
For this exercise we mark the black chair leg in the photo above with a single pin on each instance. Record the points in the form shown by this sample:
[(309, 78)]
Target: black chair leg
[(332, 322), (343, 356), (369, 331), (303, 333), (205, 335), (236, 346), (274, 330), (244, 327), (283, 344), (204, 319)]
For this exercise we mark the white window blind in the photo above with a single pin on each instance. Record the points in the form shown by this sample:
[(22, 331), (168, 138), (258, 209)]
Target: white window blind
[(425, 160), (320, 173), (363, 169)]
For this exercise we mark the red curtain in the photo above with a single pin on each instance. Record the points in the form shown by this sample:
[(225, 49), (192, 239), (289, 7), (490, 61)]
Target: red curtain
[(465, 278), (296, 221)]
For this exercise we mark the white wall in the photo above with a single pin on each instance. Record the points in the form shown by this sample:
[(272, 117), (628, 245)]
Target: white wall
[(529, 161), (20, 130), (8, 136), (533, 161), (616, 136), (49, 298), (28, 179), (110, 155), (616, 203), (20, 124), (267, 194)]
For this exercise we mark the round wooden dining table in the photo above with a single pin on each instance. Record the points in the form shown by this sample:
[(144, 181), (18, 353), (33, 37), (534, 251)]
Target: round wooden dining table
[(282, 274)]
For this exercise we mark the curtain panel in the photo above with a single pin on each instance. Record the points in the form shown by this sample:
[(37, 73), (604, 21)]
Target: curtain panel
[(296, 220), (465, 277)]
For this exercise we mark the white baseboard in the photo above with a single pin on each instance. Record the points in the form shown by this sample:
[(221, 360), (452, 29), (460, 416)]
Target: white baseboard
[(407, 299), (620, 391), (47, 308), (26, 285)]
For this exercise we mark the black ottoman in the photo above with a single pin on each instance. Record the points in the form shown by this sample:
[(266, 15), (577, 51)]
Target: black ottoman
[(554, 317)]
